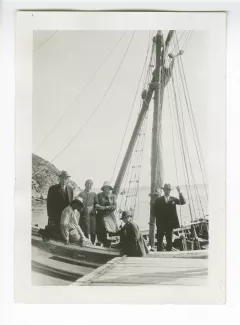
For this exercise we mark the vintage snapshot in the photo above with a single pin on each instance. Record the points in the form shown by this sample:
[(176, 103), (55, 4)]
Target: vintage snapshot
[(122, 156)]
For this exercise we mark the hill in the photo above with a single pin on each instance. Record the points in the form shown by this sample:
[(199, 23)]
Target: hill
[(45, 178)]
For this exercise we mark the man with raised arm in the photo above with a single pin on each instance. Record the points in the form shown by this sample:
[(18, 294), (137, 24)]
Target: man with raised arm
[(165, 212)]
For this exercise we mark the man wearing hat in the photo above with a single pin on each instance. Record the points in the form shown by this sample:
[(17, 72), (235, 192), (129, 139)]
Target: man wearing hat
[(165, 212), (59, 197), (131, 240)]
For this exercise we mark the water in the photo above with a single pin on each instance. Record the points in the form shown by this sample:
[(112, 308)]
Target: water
[(39, 210)]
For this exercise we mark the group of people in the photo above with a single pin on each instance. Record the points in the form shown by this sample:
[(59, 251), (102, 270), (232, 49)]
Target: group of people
[(89, 217)]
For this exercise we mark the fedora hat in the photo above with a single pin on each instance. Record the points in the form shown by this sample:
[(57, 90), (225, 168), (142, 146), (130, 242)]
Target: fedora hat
[(106, 184), (126, 214), (167, 187), (64, 174)]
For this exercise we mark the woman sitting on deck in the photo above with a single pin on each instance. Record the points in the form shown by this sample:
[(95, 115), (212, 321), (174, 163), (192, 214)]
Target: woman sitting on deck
[(131, 240), (71, 231)]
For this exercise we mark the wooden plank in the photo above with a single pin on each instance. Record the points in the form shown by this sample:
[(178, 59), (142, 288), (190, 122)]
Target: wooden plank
[(157, 271), (151, 281), (131, 270), (180, 254), (45, 260), (96, 273), (54, 272)]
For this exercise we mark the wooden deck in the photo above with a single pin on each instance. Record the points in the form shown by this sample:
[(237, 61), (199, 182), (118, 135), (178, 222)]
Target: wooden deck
[(151, 270)]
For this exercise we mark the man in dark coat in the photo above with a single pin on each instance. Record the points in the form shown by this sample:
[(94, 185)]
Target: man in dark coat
[(131, 240), (165, 212), (59, 197)]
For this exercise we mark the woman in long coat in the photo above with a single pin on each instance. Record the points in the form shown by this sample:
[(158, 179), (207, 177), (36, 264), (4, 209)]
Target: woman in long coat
[(88, 217), (106, 220), (132, 242)]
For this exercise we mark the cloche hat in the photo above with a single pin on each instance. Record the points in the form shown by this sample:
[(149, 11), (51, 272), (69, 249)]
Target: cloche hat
[(106, 184)]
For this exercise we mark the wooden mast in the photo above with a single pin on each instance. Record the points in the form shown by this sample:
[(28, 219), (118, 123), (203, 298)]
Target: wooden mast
[(159, 80), (146, 96), (156, 155)]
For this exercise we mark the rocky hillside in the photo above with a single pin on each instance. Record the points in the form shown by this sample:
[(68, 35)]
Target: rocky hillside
[(45, 178)]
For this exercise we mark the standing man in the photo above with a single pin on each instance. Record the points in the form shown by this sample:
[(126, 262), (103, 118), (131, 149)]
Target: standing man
[(165, 212), (59, 197)]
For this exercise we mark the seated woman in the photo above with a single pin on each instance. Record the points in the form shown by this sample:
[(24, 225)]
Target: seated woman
[(132, 242), (70, 230), (106, 220)]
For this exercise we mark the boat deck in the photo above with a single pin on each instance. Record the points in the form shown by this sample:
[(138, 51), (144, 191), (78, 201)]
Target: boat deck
[(151, 270)]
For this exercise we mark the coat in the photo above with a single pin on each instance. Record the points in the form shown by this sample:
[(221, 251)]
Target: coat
[(106, 218), (57, 201), (131, 240), (166, 213), (88, 217)]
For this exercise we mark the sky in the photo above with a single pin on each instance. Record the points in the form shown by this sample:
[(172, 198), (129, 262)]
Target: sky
[(65, 61)]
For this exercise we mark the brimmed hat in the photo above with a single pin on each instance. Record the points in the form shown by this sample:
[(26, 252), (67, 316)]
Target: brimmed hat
[(167, 187), (126, 214), (78, 200), (106, 184), (64, 174)]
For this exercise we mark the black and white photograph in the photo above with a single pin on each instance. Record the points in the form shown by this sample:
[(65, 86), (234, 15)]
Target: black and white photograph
[(122, 156)]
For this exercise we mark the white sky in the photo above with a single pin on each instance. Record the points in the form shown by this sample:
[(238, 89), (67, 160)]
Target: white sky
[(63, 64)]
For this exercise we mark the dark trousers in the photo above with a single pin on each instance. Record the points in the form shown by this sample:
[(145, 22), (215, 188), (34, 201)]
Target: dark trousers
[(168, 233)]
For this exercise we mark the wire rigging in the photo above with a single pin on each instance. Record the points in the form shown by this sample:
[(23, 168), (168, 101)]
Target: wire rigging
[(133, 104), (192, 121), (185, 147), (129, 195), (80, 93), (96, 108), (44, 42)]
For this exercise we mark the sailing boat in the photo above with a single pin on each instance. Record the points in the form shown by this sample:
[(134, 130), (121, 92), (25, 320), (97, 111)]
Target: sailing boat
[(191, 238)]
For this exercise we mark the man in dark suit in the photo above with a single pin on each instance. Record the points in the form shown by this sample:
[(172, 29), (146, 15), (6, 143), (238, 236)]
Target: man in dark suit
[(59, 197), (165, 212)]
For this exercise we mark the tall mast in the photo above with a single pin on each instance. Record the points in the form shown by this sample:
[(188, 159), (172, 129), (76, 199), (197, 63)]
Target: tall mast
[(156, 155), (146, 96)]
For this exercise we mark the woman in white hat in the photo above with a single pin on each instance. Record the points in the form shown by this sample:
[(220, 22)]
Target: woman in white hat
[(106, 220), (70, 230)]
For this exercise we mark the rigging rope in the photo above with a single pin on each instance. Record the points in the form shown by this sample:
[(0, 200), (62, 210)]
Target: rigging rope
[(131, 110), (130, 187), (178, 131), (81, 92), (187, 151), (193, 123), (182, 144), (184, 46), (174, 46), (95, 109), (198, 199), (44, 42)]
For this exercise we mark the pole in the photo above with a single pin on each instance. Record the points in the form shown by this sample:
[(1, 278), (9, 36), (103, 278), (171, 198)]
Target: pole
[(156, 154), (145, 105)]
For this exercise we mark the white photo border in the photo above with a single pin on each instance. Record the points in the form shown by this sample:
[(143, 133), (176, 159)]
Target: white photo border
[(215, 24)]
